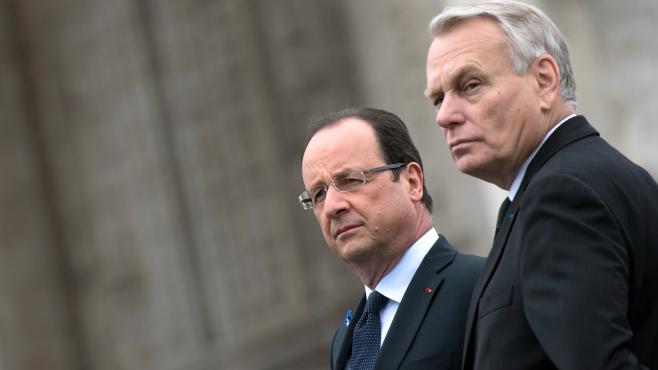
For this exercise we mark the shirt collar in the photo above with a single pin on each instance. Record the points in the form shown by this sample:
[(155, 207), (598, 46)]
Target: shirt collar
[(395, 282), (516, 184)]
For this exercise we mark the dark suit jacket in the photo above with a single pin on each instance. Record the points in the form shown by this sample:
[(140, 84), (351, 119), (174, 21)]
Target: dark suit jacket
[(572, 278), (428, 328)]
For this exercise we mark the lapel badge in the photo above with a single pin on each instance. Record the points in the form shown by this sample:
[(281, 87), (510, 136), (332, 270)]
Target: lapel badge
[(428, 290), (348, 317)]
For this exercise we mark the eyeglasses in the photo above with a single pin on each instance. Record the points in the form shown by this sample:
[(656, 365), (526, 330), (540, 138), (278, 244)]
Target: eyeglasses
[(345, 181)]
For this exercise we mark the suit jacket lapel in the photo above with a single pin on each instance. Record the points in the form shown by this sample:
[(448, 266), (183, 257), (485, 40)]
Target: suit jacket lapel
[(574, 129), (500, 240), (416, 300), (343, 341)]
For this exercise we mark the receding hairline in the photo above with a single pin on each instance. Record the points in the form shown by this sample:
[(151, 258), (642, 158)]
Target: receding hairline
[(343, 121), (444, 26)]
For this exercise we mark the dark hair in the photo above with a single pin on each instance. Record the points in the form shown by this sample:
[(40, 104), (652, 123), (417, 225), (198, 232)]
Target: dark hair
[(392, 135)]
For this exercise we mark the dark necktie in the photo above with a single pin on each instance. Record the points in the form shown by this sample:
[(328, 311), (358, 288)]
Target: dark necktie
[(502, 212), (367, 334)]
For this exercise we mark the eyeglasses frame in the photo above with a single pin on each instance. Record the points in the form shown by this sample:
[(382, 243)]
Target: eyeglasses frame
[(305, 196)]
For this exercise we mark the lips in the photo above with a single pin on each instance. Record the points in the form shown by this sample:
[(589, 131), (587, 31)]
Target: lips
[(456, 144), (344, 228)]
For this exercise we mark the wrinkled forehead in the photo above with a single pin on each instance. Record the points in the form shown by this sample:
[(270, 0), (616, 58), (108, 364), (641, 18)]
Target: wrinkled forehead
[(474, 43), (320, 176), (347, 145)]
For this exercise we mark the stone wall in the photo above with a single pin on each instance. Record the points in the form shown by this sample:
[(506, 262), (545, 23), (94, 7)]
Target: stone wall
[(150, 167)]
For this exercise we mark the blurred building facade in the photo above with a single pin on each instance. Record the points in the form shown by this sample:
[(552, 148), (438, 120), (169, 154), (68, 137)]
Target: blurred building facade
[(150, 155)]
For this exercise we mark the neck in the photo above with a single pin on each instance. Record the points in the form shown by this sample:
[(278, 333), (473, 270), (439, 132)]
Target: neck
[(558, 115), (372, 272), (372, 277), (549, 120)]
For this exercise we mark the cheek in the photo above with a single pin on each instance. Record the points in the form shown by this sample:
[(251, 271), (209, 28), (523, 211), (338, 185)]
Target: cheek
[(506, 127), (495, 125), (497, 142)]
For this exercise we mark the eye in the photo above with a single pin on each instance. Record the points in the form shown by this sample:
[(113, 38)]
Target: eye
[(348, 181), (471, 86), (318, 194), (438, 101)]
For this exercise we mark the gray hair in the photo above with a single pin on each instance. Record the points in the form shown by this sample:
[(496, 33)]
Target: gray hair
[(528, 31)]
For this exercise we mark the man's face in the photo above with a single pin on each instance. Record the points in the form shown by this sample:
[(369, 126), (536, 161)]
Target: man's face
[(489, 115), (372, 223)]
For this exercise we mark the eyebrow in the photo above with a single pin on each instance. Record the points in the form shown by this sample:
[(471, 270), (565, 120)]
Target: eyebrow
[(454, 80), (340, 172), (316, 184)]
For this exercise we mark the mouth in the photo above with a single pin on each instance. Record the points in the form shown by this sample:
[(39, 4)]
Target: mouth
[(343, 229), (460, 144)]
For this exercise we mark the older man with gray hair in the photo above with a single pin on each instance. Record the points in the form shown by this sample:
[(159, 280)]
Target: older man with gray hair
[(571, 281)]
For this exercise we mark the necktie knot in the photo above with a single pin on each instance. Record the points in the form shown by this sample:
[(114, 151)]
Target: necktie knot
[(376, 302)]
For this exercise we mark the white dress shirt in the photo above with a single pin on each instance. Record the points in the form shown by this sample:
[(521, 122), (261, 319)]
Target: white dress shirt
[(395, 283)]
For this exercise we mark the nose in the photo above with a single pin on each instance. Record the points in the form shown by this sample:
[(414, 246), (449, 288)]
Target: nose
[(335, 203), (449, 113)]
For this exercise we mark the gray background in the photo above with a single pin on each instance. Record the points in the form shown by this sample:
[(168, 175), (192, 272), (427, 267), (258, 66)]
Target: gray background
[(149, 167)]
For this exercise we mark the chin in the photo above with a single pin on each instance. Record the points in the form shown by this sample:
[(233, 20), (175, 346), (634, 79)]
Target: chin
[(466, 166), (471, 168), (355, 253)]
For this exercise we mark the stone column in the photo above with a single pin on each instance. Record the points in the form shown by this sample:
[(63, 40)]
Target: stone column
[(36, 330)]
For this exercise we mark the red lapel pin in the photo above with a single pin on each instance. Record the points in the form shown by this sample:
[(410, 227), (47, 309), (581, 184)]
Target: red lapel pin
[(428, 290)]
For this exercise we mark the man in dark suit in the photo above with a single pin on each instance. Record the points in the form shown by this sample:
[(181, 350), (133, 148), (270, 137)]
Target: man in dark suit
[(365, 184), (572, 279)]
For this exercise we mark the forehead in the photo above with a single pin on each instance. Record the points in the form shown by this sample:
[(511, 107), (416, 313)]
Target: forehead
[(475, 43), (350, 143)]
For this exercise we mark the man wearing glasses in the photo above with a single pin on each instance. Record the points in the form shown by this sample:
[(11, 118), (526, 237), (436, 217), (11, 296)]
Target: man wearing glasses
[(365, 185)]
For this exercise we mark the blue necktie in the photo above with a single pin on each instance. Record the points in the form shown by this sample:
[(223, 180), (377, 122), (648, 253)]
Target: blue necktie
[(367, 334)]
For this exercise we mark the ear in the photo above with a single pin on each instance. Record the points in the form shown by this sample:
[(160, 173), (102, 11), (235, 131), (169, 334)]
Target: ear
[(415, 179), (547, 76)]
